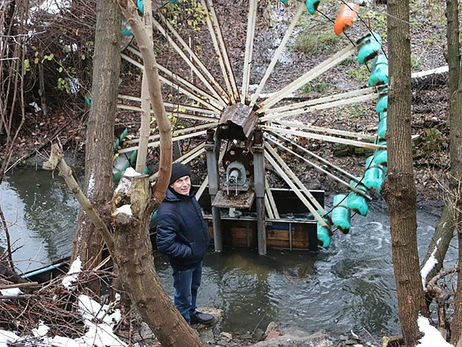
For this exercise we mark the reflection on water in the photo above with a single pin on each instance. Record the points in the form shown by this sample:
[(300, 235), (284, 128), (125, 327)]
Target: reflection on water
[(41, 214), (349, 286), (248, 287)]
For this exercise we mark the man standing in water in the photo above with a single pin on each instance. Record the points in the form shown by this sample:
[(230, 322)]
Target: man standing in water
[(182, 235)]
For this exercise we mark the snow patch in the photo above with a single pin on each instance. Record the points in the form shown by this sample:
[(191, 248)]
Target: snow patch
[(11, 292), (6, 337), (124, 209), (72, 274), (99, 334), (432, 336), (429, 265), (96, 317), (41, 331), (131, 172)]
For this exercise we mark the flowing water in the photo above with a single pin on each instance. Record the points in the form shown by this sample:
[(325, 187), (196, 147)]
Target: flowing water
[(349, 286), (41, 213)]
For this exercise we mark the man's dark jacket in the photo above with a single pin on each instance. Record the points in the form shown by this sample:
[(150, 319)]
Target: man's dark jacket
[(181, 230)]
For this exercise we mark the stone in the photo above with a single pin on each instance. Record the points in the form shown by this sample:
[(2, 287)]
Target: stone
[(272, 335), (271, 326), (300, 339)]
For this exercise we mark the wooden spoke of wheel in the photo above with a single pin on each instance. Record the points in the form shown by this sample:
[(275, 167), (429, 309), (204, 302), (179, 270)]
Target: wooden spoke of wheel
[(310, 75), (336, 100), (276, 55), (288, 176), (315, 166), (192, 60), (220, 50)]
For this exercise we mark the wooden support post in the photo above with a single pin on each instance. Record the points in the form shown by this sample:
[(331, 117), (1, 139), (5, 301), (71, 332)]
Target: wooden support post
[(212, 170), (261, 226), (313, 240), (259, 186)]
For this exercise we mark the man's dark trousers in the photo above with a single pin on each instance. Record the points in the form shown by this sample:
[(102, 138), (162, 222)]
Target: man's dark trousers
[(186, 283)]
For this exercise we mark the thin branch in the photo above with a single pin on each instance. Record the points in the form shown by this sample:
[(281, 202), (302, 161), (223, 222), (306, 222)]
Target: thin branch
[(57, 161), (8, 240)]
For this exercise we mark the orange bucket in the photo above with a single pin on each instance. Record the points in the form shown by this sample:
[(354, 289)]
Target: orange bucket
[(346, 17)]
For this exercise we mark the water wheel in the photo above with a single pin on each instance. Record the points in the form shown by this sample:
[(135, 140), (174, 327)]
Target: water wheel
[(244, 101)]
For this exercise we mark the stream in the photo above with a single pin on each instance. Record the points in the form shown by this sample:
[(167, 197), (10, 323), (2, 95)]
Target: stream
[(349, 286)]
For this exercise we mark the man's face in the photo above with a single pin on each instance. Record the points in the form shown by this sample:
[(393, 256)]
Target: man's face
[(182, 185)]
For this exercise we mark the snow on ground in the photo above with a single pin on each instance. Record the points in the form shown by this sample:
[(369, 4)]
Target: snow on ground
[(432, 337), (97, 318)]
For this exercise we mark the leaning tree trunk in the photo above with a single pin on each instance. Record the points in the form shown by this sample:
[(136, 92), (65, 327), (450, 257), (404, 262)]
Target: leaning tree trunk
[(399, 188), (99, 150), (133, 255), (133, 249), (445, 229), (455, 122), (439, 244)]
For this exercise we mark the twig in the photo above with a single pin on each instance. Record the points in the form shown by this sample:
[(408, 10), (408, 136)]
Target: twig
[(19, 297), (433, 288), (258, 324), (19, 285), (8, 240), (56, 161)]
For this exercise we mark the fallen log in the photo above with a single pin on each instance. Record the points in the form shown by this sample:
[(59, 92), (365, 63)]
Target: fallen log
[(430, 78)]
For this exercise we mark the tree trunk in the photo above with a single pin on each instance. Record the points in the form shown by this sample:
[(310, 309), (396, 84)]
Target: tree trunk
[(132, 242), (399, 187), (439, 244), (455, 112), (456, 326), (88, 243)]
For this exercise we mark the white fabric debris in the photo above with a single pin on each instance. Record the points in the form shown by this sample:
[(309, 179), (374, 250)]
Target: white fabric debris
[(11, 292)]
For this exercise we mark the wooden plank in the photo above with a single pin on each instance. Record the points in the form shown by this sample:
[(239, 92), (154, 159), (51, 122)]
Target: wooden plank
[(237, 233), (243, 201)]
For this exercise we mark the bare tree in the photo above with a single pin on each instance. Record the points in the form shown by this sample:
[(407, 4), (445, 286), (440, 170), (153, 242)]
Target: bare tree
[(455, 109), (450, 218), (129, 241), (399, 187), (88, 244), (13, 16)]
